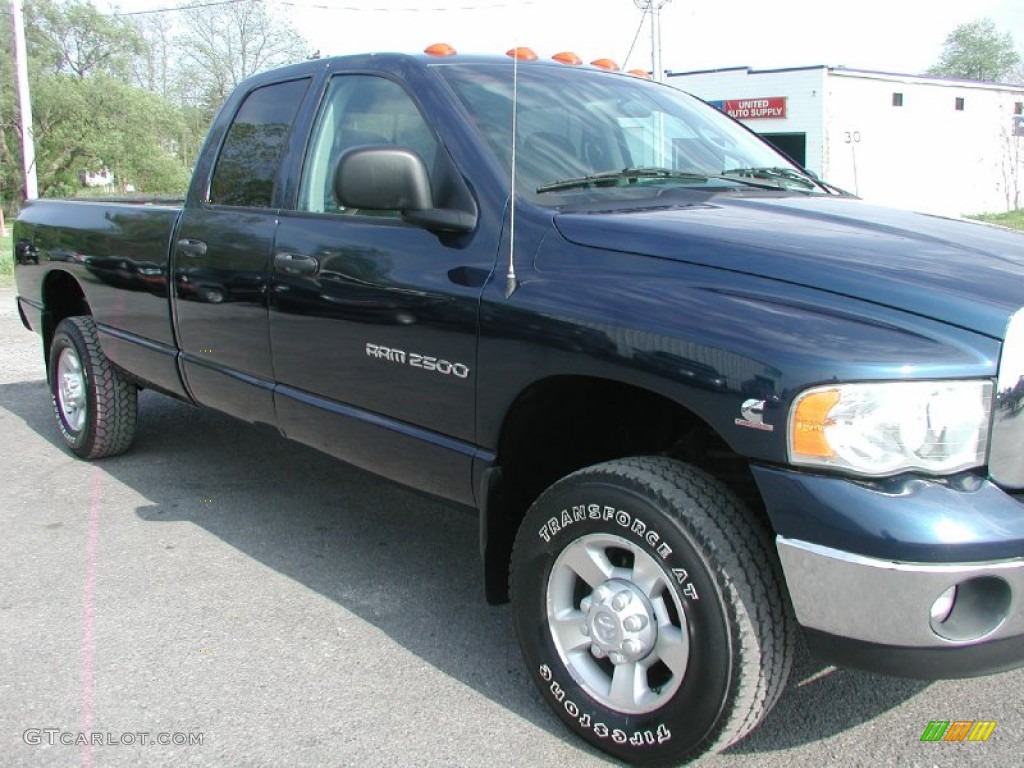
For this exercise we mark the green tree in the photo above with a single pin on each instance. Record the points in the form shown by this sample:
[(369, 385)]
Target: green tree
[(153, 68), (222, 44), (96, 123), (977, 51), (86, 116), (130, 94), (72, 36)]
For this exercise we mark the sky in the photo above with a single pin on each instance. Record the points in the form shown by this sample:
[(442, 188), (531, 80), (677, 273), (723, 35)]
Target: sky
[(903, 36)]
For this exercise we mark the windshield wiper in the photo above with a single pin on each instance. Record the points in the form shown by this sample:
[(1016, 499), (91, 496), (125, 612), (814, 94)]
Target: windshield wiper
[(607, 178), (781, 173), (626, 174)]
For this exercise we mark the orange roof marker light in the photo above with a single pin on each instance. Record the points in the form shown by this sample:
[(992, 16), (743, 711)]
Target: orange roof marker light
[(439, 49), (568, 57), (522, 53), (605, 64), (640, 73)]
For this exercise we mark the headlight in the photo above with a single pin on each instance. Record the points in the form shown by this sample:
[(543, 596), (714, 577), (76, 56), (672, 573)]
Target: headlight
[(884, 428)]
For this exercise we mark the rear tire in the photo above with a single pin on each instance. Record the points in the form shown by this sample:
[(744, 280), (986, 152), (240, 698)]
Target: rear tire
[(95, 406), (650, 610)]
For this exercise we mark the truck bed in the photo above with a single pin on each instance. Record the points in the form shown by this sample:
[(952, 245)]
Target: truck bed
[(118, 253)]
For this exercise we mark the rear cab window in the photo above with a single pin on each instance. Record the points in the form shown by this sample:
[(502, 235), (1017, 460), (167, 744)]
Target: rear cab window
[(250, 156)]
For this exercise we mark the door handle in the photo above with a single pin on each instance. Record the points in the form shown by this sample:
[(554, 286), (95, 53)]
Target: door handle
[(193, 248), (296, 264)]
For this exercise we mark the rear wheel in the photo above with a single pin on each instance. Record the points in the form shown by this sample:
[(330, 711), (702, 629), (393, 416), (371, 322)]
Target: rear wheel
[(650, 609), (94, 404)]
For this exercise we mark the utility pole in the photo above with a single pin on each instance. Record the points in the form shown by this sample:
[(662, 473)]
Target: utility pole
[(28, 147), (654, 6)]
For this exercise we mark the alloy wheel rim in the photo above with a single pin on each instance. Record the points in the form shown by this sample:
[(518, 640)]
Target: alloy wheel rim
[(71, 389), (617, 623)]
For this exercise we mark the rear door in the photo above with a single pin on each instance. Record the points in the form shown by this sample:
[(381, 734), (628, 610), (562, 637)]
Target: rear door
[(221, 257), (373, 321)]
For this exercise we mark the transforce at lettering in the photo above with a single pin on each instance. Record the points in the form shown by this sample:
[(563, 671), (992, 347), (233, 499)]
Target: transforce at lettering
[(581, 512)]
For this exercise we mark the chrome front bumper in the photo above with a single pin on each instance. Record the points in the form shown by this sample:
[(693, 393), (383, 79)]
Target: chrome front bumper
[(889, 603)]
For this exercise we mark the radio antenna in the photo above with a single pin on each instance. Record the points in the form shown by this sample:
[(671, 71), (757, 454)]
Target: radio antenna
[(511, 282)]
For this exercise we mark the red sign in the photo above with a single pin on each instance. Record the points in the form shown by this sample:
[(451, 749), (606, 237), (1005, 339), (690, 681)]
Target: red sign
[(770, 107)]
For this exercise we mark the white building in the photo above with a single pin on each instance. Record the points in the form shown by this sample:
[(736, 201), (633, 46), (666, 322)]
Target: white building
[(931, 144), (101, 178)]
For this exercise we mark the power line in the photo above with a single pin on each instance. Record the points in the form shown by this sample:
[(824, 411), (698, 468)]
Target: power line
[(382, 9), (487, 7), (175, 8)]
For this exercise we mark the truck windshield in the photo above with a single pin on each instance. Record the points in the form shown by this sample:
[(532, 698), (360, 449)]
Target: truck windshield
[(584, 130)]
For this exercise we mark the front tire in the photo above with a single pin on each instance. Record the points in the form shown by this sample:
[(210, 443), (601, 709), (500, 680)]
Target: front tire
[(95, 406), (650, 610)]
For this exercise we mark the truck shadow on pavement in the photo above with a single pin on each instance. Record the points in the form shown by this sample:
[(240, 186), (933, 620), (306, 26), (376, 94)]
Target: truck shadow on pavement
[(822, 701), (407, 564)]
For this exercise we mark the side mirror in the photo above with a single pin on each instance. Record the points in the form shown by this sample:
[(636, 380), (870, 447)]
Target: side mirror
[(382, 179), (386, 178)]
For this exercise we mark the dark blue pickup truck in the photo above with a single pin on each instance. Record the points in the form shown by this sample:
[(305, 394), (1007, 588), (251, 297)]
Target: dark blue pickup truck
[(701, 400)]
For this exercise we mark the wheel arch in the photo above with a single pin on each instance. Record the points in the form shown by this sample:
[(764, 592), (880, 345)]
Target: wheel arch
[(563, 423), (62, 297)]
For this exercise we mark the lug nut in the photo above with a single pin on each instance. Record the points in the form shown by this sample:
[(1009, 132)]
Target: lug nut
[(601, 593), (597, 651), (632, 647), (585, 629), (585, 604), (635, 623), (617, 658), (621, 600)]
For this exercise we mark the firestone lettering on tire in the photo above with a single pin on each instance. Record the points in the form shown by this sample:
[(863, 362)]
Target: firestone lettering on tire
[(623, 519), (645, 738)]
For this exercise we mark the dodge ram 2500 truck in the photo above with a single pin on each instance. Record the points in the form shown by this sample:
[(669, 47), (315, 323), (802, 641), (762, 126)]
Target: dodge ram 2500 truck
[(701, 401)]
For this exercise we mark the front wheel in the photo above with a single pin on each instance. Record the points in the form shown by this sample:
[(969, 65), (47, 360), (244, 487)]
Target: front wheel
[(95, 405), (650, 610)]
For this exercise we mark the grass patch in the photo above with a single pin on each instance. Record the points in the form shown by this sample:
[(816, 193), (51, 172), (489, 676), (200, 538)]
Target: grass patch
[(6, 259), (1014, 219)]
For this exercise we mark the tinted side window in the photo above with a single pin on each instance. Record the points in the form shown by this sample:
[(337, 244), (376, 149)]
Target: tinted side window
[(252, 150), (358, 110)]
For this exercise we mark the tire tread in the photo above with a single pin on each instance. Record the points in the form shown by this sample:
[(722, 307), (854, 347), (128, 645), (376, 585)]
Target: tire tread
[(113, 399), (741, 556)]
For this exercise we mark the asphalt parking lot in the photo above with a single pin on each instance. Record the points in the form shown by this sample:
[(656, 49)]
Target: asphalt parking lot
[(220, 585)]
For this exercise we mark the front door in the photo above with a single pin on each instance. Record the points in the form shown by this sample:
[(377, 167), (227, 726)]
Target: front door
[(373, 321)]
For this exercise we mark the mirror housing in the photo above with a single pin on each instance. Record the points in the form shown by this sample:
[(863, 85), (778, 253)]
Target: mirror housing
[(389, 178)]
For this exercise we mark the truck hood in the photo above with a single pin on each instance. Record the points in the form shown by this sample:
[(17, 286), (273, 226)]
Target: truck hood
[(959, 272)]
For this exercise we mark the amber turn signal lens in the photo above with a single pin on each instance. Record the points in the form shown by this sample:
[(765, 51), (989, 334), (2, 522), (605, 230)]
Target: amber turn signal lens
[(605, 64), (810, 418)]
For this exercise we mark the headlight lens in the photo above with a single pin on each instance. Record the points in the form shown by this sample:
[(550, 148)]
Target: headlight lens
[(884, 428)]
